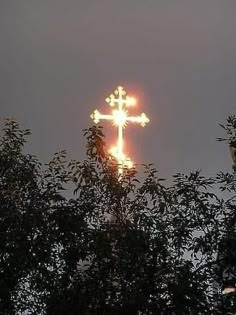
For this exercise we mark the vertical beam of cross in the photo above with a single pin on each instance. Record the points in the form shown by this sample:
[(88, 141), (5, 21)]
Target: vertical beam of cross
[(119, 117)]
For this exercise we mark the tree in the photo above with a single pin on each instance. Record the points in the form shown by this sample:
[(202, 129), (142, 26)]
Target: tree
[(117, 245), (18, 196), (32, 211), (226, 271)]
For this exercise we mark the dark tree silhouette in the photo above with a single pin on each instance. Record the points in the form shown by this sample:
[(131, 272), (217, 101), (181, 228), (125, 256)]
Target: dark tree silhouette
[(129, 245)]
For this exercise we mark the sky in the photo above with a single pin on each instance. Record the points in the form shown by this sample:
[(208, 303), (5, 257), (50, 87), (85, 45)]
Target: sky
[(59, 60)]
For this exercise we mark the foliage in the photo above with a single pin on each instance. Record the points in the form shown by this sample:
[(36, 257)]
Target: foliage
[(125, 245), (230, 130), (226, 271)]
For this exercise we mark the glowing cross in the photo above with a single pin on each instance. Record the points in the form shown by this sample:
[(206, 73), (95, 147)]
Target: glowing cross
[(120, 117)]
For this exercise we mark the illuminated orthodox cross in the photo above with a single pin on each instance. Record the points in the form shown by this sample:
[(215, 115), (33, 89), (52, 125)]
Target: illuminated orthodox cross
[(119, 117)]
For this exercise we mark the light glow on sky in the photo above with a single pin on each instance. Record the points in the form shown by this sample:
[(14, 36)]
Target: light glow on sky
[(120, 118)]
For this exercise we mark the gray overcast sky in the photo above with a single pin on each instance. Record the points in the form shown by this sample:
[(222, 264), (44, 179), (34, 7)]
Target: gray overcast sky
[(60, 59)]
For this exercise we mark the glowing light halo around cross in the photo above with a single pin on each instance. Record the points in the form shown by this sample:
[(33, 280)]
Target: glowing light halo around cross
[(119, 118)]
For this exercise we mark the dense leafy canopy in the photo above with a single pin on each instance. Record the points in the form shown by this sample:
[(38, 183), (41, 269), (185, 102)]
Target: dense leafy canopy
[(129, 245)]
